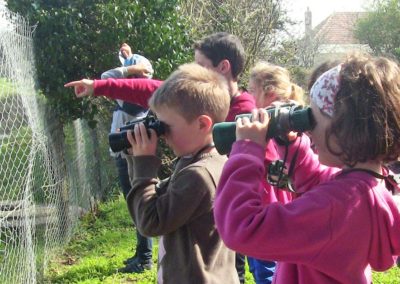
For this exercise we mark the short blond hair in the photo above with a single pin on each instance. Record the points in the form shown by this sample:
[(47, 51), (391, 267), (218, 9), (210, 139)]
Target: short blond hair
[(193, 90), (272, 77)]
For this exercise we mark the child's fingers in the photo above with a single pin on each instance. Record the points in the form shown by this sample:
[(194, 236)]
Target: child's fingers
[(81, 91), (264, 117), (144, 144), (245, 120), (255, 115), (143, 133), (78, 87), (130, 137), (72, 84), (136, 131), (149, 136), (82, 88), (239, 122)]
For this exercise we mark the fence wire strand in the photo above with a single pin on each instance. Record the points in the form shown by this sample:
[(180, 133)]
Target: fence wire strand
[(49, 175)]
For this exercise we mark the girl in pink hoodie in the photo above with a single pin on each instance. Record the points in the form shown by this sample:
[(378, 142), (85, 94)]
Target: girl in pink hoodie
[(346, 221)]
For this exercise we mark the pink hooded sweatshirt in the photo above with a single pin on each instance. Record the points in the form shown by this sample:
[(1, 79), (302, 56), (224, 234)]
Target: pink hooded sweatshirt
[(344, 224)]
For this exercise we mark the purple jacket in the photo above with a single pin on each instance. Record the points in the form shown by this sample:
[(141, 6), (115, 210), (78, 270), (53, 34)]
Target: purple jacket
[(343, 224)]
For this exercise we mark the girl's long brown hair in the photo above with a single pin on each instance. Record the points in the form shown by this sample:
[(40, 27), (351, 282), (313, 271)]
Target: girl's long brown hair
[(366, 120)]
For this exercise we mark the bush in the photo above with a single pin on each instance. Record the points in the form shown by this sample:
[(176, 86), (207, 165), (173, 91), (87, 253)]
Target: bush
[(80, 38)]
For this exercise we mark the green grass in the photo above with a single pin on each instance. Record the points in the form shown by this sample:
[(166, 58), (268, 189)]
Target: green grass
[(106, 238), (103, 241)]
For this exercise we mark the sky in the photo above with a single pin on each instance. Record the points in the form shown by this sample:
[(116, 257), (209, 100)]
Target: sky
[(321, 9)]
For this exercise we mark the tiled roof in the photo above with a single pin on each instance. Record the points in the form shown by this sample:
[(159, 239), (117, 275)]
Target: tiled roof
[(338, 28)]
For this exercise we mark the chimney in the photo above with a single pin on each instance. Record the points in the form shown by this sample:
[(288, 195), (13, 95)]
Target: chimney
[(308, 22)]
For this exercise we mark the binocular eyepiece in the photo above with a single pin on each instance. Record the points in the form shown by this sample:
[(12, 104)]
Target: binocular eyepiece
[(283, 119), (119, 141)]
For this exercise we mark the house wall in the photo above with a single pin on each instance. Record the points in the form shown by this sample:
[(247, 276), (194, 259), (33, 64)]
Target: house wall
[(337, 51)]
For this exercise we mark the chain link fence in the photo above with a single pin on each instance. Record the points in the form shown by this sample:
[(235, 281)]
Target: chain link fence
[(50, 174)]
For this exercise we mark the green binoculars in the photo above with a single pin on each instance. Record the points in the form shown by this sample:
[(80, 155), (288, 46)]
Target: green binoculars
[(283, 119)]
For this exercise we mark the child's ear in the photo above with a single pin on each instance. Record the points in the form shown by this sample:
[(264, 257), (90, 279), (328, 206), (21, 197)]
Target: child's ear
[(205, 123)]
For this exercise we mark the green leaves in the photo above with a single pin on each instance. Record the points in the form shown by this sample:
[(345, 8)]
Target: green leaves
[(380, 29), (81, 38), (259, 23)]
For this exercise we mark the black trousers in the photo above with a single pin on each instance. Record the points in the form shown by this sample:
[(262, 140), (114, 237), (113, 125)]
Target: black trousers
[(144, 244), (240, 266)]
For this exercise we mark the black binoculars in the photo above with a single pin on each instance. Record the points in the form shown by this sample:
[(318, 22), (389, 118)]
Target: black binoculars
[(119, 141), (283, 119)]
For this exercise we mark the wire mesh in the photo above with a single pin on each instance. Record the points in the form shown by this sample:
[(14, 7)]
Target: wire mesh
[(50, 174)]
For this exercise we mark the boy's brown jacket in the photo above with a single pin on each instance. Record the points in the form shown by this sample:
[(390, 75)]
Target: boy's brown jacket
[(180, 209)]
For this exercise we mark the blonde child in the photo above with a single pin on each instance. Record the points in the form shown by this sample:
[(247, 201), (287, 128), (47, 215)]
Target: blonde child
[(269, 84), (180, 209)]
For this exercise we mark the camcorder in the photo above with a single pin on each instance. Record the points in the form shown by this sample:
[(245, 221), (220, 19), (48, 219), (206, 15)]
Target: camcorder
[(283, 119), (119, 141)]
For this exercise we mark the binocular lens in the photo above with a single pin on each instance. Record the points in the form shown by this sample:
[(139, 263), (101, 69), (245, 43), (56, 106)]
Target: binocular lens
[(284, 119)]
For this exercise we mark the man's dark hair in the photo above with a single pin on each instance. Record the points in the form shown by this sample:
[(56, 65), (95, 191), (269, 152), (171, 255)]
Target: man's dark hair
[(220, 46)]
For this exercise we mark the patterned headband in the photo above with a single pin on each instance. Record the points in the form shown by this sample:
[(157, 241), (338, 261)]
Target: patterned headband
[(323, 92)]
